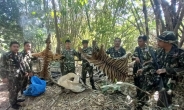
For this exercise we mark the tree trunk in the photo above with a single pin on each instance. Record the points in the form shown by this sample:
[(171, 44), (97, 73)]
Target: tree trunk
[(56, 28), (138, 18), (87, 16), (159, 21), (145, 17), (156, 18), (167, 15), (181, 40)]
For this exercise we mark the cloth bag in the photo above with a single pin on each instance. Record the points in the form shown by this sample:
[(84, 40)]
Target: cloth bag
[(72, 82)]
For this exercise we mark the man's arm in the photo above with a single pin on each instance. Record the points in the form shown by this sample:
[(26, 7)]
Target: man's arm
[(77, 54), (123, 51), (135, 54), (108, 51), (180, 69), (33, 58), (24, 65), (3, 67)]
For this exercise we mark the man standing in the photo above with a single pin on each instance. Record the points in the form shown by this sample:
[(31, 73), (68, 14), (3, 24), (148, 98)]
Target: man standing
[(169, 63), (116, 51), (85, 64), (13, 70), (69, 62), (26, 54)]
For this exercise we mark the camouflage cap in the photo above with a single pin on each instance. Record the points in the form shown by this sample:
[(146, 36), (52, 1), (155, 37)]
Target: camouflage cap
[(167, 36), (84, 41)]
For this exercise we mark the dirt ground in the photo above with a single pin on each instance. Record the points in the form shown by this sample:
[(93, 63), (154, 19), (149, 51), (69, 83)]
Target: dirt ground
[(56, 98), (3, 96)]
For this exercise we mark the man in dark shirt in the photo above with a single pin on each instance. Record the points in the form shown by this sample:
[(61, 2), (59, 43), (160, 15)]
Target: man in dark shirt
[(116, 51)]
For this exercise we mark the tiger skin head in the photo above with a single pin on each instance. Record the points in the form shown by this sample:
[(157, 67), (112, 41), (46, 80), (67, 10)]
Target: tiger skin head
[(57, 57)]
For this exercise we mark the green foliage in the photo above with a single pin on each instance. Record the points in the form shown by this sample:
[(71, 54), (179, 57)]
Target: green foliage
[(100, 20), (9, 22)]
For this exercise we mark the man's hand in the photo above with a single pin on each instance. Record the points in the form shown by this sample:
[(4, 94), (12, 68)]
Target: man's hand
[(5, 80), (137, 60), (26, 74), (30, 74), (79, 50), (160, 71), (139, 71)]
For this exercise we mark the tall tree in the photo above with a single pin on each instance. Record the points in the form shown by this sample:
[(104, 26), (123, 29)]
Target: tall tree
[(145, 17), (173, 16), (10, 20), (56, 27)]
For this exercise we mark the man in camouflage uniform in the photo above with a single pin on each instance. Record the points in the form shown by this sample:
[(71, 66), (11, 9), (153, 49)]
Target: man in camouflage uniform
[(170, 61), (86, 66), (69, 62), (142, 57), (26, 54), (12, 70), (116, 51)]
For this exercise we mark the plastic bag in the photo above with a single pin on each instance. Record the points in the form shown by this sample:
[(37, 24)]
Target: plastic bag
[(36, 88)]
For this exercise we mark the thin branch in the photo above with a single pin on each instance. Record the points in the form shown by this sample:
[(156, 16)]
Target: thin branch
[(179, 20), (139, 18), (138, 26)]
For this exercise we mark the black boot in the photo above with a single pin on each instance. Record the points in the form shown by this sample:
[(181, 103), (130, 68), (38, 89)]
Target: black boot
[(92, 84), (162, 101), (16, 106)]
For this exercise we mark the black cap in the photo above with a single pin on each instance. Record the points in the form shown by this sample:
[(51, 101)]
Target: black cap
[(67, 41), (84, 41)]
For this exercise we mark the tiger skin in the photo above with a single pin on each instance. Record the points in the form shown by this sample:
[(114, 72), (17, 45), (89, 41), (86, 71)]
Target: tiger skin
[(47, 56), (115, 69)]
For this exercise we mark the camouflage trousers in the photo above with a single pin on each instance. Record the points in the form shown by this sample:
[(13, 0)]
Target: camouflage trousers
[(14, 86), (152, 83), (68, 69), (89, 69), (25, 82)]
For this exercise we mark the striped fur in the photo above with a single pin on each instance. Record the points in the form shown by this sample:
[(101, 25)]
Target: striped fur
[(47, 56), (115, 69)]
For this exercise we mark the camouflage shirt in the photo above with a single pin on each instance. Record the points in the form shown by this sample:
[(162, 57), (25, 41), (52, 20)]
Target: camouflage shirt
[(172, 61), (28, 60), (116, 53), (87, 51), (144, 54), (12, 65), (69, 61)]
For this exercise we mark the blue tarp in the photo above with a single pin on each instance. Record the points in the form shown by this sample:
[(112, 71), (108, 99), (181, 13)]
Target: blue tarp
[(36, 87)]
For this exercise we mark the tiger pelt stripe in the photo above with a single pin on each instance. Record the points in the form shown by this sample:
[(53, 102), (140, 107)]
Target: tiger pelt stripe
[(115, 69)]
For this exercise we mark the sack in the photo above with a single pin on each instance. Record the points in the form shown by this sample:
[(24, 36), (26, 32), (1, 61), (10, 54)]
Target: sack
[(72, 82), (36, 88)]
